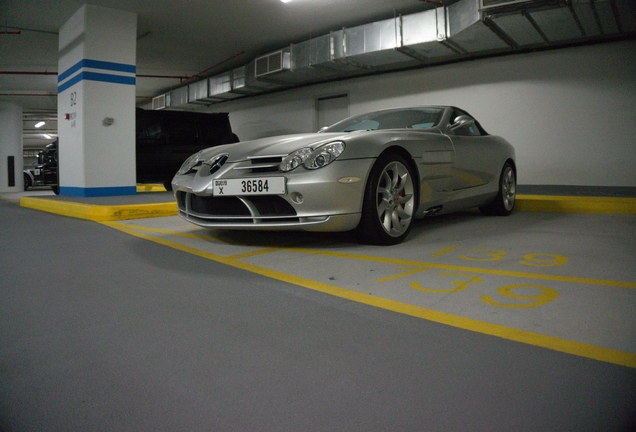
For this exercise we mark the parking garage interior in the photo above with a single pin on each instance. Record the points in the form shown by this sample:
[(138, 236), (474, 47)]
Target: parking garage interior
[(116, 314)]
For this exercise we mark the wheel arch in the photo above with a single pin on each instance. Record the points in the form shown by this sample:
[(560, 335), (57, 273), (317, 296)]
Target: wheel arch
[(409, 159), (30, 175), (512, 162)]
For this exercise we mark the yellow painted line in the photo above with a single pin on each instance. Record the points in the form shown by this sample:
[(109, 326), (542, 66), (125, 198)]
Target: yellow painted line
[(206, 237), (415, 266), (99, 213), (575, 204), (525, 275), (609, 355), (264, 251)]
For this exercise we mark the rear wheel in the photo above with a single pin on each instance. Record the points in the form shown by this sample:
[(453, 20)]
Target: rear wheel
[(27, 182), (389, 202), (504, 202)]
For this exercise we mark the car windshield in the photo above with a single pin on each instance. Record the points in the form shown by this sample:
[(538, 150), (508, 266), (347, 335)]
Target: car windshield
[(408, 118)]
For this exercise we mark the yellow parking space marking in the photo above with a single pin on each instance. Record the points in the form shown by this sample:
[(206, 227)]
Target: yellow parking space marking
[(255, 253), (609, 355), (427, 265)]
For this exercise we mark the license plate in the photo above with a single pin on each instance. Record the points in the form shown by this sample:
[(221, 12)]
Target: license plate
[(249, 186)]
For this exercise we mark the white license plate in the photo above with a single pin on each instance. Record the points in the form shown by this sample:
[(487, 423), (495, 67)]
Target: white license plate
[(249, 186)]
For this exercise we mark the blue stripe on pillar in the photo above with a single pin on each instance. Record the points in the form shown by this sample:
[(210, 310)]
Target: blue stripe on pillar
[(98, 191), (96, 64), (94, 76)]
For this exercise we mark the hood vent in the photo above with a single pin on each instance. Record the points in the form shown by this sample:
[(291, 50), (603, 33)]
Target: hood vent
[(463, 30)]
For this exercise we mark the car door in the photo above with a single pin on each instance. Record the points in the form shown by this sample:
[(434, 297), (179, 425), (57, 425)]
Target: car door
[(473, 155)]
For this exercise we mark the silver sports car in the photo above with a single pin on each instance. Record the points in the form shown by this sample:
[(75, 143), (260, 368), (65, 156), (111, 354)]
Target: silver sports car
[(373, 173)]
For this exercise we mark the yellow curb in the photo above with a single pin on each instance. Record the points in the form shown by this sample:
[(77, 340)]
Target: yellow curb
[(536, 203), (100, 213), (575, 204), (150, 188)]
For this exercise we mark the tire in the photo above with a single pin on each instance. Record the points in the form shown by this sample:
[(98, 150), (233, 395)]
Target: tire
[(504, 202), (56, 189), (167, 185), (389, 204), (27, 182)]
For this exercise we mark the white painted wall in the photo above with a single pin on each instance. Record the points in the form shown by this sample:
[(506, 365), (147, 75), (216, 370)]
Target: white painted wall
[(11, 145), (569, 112)]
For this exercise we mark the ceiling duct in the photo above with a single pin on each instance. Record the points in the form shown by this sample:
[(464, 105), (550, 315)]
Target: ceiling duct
[(525, 24), (464, 30), (557, 24), (424, 36), (238, 83), (199, 93), (221, 87), (374, 46), (178, 98), (486, 5), (467, 31), (314, 58)]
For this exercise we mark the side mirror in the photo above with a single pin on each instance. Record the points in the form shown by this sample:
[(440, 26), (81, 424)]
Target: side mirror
[(462, 121)]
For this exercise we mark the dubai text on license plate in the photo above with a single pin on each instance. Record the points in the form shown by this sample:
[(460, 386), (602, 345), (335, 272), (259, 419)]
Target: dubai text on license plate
[(250, 186)]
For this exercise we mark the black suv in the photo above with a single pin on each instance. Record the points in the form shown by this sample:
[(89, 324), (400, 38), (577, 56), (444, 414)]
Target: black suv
[(164, 140)]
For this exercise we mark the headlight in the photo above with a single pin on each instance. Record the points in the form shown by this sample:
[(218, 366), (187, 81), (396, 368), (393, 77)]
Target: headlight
[(190, 163), (313, 158)]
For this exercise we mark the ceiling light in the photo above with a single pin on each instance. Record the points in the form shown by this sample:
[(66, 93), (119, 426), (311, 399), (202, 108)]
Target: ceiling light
[(40, 124), (47, 136), (285, 1)]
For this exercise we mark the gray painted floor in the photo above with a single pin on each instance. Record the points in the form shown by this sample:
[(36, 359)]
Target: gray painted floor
[(102, 330)]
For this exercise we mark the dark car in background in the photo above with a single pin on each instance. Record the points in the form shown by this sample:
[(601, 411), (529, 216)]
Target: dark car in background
[(164, 139), (45, 172)]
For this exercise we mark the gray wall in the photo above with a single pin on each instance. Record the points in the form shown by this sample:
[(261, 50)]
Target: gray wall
[(569, 112)]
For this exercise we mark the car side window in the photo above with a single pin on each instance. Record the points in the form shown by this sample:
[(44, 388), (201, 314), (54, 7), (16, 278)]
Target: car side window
[(472, 130)]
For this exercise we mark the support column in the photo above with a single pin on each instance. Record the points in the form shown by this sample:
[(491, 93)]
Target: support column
[(11, 161), (96, 103)]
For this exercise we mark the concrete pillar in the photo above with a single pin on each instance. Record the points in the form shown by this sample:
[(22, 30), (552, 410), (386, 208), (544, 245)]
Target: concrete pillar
[(11, 161), (96, 103)]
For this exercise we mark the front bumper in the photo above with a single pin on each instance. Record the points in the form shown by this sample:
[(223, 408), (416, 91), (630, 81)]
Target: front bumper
[(326, 199)]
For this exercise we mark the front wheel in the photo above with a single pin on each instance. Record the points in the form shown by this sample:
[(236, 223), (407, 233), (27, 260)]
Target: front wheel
[(389, 202), (504, 202)]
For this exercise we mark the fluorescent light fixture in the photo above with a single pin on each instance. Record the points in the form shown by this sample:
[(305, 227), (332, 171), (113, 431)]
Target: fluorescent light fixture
[(285, 1), (40, 124), (47, 136)]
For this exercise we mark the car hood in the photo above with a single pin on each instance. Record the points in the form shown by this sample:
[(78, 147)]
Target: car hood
[(273, 146)]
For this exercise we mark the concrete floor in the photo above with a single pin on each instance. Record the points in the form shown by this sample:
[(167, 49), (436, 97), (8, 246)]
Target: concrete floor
[(475, 323)]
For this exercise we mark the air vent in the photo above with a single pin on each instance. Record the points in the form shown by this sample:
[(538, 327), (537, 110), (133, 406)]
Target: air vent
[(159, 102), (271, 63)]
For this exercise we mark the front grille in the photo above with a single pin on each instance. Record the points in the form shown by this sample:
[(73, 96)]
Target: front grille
[(228, 210), (219, 206), (272, 206), (262, 164)]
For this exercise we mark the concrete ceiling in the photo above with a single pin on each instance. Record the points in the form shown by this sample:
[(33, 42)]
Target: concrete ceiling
[(175, 39), (186, 41)]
